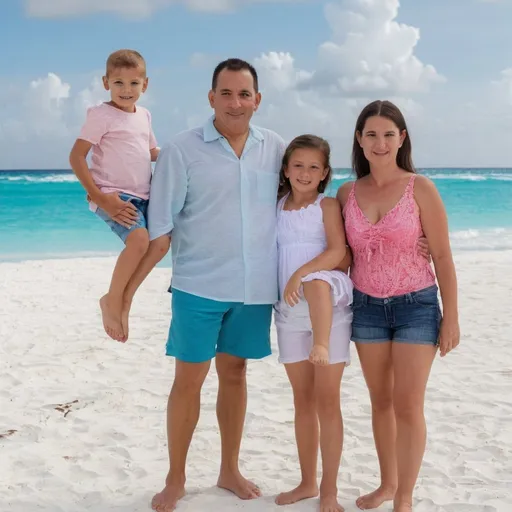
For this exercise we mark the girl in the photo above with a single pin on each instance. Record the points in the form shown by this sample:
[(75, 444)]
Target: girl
[(397, 322), (313, 315)]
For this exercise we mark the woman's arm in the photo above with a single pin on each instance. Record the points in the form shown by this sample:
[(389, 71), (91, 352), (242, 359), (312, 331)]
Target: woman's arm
[(435, 226)]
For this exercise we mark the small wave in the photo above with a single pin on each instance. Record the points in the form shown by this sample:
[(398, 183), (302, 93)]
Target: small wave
[(53, 178), (496, 239)]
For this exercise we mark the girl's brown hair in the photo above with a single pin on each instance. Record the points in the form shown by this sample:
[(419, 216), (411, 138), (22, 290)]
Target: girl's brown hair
[(305, 142), (386, 109)]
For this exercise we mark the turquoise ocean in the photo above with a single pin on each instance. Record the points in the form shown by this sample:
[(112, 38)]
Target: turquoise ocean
[(43, 214)]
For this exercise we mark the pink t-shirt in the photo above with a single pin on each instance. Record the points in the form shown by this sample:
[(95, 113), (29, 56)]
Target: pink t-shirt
[(120, 155)]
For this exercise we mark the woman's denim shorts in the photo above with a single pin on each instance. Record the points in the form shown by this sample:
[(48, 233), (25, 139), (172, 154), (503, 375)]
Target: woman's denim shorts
[(411, 318)]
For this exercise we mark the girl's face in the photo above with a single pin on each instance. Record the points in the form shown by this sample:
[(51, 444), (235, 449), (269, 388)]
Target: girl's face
[(380, 139), (306, 170)]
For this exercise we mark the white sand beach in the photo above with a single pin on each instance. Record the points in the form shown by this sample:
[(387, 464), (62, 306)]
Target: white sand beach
[(82, 418)]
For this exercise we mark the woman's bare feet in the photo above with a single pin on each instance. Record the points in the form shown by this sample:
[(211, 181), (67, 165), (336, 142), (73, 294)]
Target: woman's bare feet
[(167, 500), (302, 492), (376, 498), (111, 320), (329, 503), (238, 485), (319, 355)]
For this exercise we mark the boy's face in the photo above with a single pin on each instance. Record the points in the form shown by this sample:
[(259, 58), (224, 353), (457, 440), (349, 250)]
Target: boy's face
[(125, 86)]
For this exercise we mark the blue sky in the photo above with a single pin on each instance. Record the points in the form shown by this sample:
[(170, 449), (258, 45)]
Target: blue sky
[(445, 62)]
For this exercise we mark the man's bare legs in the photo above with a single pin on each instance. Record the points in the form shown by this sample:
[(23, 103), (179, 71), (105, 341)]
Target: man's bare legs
[(319, 298), (411, 367), (302, 380), (158, 248), (182, 417), (377, 366), (111, 304), (327, 396), (231, 408)]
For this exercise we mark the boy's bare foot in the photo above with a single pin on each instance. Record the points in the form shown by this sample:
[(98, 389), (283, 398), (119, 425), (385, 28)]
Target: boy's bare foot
[(376, 498), (111, 322), (125, 314), (319, 355), (238, 485), (167, 500), (302, 492), (329, 503)]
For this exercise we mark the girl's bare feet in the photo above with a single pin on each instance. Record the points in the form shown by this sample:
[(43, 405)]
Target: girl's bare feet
[(301, 492), (376, 498), (238, 485), (319, 355), (402, 505), (167, 500)]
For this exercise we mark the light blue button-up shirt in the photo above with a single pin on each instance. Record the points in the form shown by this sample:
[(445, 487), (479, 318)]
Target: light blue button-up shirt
[(221, 213)]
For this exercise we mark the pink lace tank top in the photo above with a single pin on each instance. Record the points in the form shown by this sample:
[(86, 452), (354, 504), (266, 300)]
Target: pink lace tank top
[(386, 261)]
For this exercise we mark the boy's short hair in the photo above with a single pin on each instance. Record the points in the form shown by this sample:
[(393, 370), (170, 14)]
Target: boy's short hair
[(125, 59)]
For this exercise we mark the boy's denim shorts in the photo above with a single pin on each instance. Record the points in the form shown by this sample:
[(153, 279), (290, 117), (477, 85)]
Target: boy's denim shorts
[(141, 222), (410, 318), (201, 328)]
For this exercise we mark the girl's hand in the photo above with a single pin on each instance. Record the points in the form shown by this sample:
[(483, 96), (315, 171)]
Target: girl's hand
[(449, 336), (291, 293)]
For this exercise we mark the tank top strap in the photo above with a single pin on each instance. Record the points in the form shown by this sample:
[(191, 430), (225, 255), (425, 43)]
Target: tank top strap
[(318, 199), (409, 190), (281, 202)]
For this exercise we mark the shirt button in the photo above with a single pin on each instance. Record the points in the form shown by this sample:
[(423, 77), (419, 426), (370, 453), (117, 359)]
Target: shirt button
[(386, 301)]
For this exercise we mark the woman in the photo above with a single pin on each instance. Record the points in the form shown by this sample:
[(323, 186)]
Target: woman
[(397, 324)]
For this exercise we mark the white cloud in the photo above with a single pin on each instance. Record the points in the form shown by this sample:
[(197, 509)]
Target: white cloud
[(503, 88), (127, 8)]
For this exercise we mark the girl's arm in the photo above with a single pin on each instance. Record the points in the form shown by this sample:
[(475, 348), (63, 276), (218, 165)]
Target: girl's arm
[(336, 243), (435, 226), (154, 154)]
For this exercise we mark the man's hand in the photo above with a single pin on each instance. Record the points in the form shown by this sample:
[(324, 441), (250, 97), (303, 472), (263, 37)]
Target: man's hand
[(423, 249), (123, 212)]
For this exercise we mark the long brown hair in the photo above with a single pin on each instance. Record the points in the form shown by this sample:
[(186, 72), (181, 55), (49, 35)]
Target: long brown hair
[(390, 111), (305, 142)]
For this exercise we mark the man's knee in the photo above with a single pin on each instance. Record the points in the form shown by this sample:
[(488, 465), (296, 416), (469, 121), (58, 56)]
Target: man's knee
[(231, 370), (189, 377)]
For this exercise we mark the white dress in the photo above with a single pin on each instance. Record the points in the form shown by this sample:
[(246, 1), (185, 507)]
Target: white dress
[(300, 238)]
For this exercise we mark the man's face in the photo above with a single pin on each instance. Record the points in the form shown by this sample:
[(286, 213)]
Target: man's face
[(234, 101)]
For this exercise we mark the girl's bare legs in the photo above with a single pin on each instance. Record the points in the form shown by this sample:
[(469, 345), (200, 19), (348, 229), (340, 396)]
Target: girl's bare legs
[(111, 304), (318, 295), (411, 369), (302, 379), (377, 365), (327, 394), (157, 250)]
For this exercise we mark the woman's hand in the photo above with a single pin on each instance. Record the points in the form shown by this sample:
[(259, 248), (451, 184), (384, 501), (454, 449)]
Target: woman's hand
[(449, 336)]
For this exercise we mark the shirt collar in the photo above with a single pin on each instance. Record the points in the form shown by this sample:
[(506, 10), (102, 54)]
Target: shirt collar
[(210, 133)]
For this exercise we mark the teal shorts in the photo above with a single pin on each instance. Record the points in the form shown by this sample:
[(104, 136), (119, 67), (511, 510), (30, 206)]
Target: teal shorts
[(201, 328)]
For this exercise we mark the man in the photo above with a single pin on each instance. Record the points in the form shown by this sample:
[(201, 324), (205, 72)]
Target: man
[(214, 193)]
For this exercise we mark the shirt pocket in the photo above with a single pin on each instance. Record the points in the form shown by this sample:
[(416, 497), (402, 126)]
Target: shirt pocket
[(266, 184)]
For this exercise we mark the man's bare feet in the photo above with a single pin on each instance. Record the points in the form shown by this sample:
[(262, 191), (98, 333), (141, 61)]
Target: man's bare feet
[(238, 485), (111, 321), (376, 498), (329, 503), (302, 492), (319, 355), (167, 500)]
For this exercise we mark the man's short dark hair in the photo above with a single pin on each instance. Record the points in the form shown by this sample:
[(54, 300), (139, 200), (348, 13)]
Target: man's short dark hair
[(234, 65)]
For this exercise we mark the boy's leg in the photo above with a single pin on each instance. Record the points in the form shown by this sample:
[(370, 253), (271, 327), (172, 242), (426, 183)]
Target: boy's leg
[(302, 380), (318, 296), (111, 304), (327, 397), (157, 250)]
